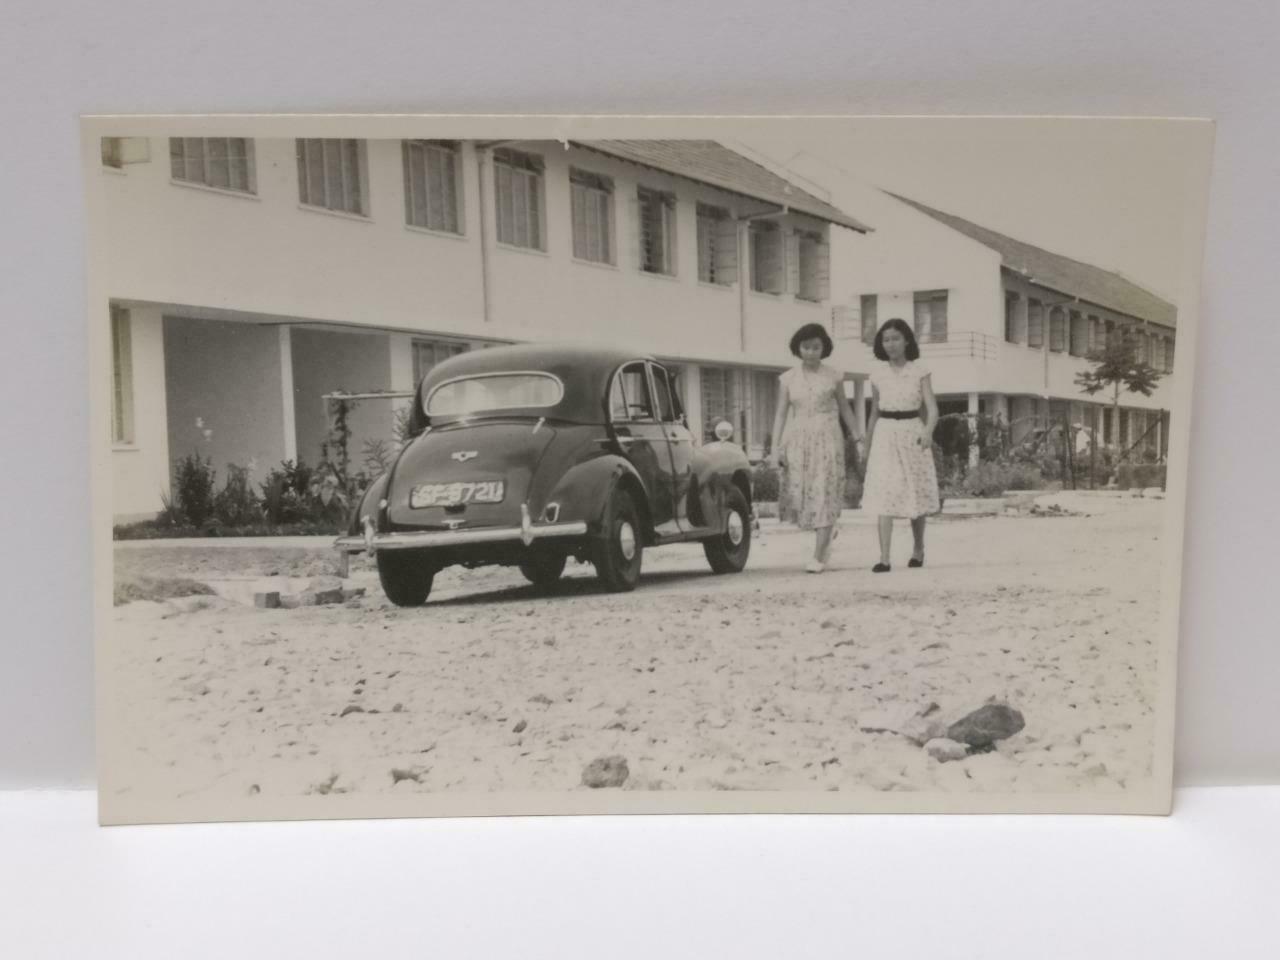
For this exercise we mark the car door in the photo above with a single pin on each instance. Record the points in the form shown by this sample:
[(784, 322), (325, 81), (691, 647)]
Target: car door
[(643, 441), (679, 443)]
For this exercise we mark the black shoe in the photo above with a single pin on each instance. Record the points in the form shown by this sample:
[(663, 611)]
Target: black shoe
[(914, 562), (880, 568)]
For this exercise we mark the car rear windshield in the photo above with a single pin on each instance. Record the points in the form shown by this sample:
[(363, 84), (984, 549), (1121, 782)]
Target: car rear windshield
[(494, 391)]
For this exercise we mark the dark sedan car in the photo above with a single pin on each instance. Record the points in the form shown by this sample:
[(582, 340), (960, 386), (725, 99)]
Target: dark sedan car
[(529, 455)]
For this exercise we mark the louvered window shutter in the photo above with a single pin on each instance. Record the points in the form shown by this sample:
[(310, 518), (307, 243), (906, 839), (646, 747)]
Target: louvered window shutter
[(822, 269), (726, 252), (792, 243)]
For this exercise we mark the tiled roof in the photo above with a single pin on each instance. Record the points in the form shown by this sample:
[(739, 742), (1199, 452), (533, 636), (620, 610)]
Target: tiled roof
[(707, 161), (1067, 276)]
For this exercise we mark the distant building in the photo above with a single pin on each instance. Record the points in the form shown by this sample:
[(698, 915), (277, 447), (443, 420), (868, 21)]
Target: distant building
[(1004, 325), (249, 278)]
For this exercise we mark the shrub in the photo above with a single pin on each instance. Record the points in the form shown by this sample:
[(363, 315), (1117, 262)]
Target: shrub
[(993, 479), (1130, 476), (236, 504), (193, 490), (766, 484)]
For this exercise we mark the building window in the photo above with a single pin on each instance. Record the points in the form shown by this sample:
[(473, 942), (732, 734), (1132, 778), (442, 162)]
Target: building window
[(428, 353), (331, 175), (767, 273), (1011, 318), (870, 318), (518, 188), (657, 231), (222, 162), (591, 200), (1035, 323), (931, 316), (113, 152), (1057, 330), (121, 377), (1168, 355), (721, 400), (1095, 334), (812, 266), (717, 246), (432, 199), (1079, 335)]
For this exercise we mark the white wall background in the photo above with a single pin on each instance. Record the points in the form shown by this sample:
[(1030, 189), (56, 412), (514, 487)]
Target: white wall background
[(1146, 57)]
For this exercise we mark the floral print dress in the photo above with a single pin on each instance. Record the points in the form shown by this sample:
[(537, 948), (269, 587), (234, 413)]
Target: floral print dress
[(901, 478), (813, 446)]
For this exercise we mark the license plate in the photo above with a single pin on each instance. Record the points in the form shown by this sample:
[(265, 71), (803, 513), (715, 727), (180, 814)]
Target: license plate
[(453, 494)]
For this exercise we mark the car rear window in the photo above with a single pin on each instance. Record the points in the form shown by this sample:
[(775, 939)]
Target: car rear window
[(494, 391)]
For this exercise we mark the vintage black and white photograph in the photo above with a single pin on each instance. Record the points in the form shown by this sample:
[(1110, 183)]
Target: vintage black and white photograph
[(599, 465)]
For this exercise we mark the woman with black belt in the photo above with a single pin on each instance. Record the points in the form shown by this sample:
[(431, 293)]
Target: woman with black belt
[(901, 478)]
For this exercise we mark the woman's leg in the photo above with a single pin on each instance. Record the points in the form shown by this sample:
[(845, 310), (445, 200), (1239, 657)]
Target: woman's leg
[(886, 538), (917, 532), (822, 543)]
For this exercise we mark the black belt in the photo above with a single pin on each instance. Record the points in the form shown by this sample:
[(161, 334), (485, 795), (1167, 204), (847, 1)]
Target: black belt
[(900, 414)]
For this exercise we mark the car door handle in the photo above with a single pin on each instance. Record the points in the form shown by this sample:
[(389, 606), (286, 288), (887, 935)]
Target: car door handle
[(676, 438)]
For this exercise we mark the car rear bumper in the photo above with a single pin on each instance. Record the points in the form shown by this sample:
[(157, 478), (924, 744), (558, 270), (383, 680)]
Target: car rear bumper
[(528, 532)]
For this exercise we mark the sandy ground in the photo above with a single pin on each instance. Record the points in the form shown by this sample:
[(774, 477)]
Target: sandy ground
[(764, 680)]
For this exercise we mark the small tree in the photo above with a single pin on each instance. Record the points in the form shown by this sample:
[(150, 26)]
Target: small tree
[(1117, 364)]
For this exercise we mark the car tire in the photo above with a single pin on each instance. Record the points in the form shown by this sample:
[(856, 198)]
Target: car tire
[(727, 552), (545, 571), (405, 576), (618, 552)]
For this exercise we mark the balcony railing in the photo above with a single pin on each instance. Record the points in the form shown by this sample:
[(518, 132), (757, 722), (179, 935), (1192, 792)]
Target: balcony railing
[(959, 344)]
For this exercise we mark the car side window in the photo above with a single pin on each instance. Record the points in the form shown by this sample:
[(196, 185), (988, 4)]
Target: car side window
[(618, 401), (634, 385), (666, 405)]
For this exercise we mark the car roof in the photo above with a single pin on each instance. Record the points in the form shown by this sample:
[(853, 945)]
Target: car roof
[(584, 370)]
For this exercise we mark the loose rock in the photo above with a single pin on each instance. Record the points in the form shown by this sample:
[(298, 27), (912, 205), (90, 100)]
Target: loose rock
[(609, 771), (943, 750), (984, 726)]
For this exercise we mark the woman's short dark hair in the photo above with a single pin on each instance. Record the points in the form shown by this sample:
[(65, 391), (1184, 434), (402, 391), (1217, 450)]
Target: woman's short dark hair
[(812, 331), (897, 323)]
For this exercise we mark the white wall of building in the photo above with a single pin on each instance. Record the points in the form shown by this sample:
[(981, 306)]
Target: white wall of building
[(140, 470)]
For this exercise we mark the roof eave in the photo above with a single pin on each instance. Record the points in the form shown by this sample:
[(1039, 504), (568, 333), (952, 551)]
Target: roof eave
[(839, 220)]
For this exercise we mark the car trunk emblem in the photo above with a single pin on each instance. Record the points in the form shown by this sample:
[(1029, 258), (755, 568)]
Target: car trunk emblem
[(462, 456)]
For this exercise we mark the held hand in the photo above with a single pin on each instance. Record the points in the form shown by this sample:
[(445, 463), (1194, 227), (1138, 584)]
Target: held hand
[(925, 440)]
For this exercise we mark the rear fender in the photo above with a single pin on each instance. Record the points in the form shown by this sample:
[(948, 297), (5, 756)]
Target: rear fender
[(584, 491), (369, 506)]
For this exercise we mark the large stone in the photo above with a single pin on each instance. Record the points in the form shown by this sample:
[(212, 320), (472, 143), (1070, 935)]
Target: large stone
[(984, 726), (943, 750), (924, 725), (609, 771)]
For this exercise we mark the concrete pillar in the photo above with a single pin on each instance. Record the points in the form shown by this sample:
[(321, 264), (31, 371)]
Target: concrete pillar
[(691, 378), (290, 423), (974, 412)]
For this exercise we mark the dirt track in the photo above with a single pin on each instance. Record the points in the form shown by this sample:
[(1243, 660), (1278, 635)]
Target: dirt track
[(763, 680)]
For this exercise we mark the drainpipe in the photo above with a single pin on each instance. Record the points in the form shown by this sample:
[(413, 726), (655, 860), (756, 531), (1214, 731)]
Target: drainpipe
[(743, 248)]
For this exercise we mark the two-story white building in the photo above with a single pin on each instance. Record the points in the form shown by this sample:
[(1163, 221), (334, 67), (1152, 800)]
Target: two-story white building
[(250, 278), (1005, 326)]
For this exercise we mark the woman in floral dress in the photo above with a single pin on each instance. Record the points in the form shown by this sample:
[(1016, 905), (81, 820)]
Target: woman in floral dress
[(901, 478), (807, 441)]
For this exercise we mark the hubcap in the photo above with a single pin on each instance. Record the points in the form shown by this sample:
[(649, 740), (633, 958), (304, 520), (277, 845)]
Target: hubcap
[(736, 527), (627, 541)]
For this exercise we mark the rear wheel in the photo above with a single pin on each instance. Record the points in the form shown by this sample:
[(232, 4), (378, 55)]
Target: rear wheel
[(728, 551), (617, 554), (544, 571), (406, 577)]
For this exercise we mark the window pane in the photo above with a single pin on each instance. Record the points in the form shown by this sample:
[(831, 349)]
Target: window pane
[(218, 172), (666, 410), (177, 161)]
